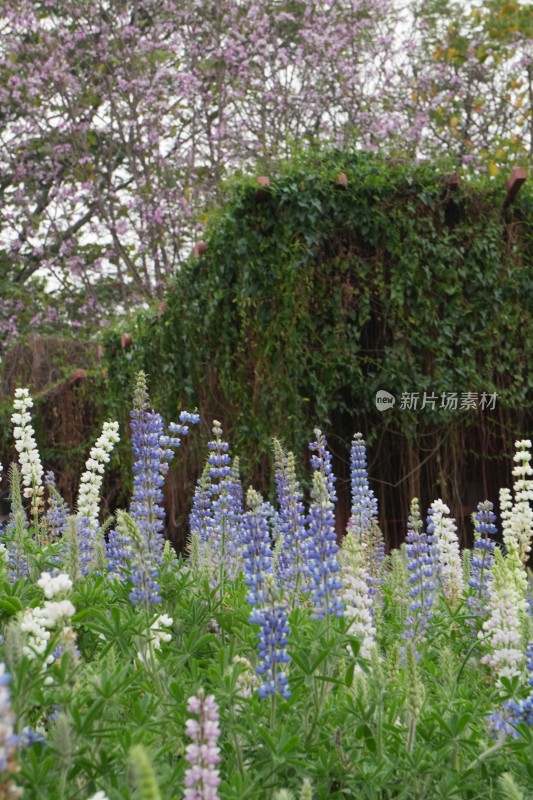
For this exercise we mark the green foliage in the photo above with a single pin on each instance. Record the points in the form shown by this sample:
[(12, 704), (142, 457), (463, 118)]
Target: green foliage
[(311, 297)]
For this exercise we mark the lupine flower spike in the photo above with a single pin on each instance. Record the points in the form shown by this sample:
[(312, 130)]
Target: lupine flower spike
[(483, 557), (25, 445), (517, 517), (421, 566), (203, 754), (292, 566), (322, 552), (8, 738), (507, 608), (321, 462), (446, 548)]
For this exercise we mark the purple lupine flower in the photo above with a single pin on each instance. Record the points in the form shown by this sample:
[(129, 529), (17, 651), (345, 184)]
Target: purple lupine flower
[(200, 519), (224, 523), (144, 570), (292, 562), (118, 550), (483, 556), (257, 552), (85, 537), (219, 459), (321, 462), (57, 512), (263, 594), (8, 738), (504, 722), (203, 754), (321, 551), (273, 640), (529, 665), (17, 530), (364, 502), (152, 451), (421, 566), (364, 519)]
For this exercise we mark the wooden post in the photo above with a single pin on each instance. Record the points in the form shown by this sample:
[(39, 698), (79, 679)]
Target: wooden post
[(199, 249), (263, 192)]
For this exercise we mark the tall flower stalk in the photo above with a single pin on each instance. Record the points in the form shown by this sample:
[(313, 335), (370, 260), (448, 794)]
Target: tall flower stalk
[(203, 754), (517, 516), (422, 579), (322, 550), (292, 566), (28, 455), (483, 556), (503, 629), (88, 504), (264, 596), (152, 451), (449, 567)]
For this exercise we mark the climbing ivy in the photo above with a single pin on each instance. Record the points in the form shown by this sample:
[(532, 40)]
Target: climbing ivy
[(312, 296)]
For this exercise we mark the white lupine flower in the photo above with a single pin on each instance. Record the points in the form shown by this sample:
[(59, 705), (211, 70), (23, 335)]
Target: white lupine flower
[(53, 611), (101, 795), (507, 608), (446, 545), (156, 635), (517, 517), (37, 636), (356, 595), (52, 586), (30, 462), (91, 481), (248, 680)]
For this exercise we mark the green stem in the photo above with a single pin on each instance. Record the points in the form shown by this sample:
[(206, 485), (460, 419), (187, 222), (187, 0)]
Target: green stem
[(272, 711), (467, 656), (411, 734), (486, 754)]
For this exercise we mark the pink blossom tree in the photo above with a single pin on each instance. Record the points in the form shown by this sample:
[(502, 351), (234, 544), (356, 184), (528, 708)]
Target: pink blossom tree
[(120, 120)]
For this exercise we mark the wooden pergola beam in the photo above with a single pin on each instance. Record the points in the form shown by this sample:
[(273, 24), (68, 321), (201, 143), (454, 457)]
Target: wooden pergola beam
[(513, 184)]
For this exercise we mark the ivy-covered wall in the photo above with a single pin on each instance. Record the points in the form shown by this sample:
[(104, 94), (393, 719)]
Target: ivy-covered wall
[(313, 295)]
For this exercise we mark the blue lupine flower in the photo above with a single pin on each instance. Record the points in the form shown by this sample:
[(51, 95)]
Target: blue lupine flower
[(152, 451), (17, 557), (118, 551), (8, 738), (483, 555), (321, 551), (144, 570), (29, 737), (219, 459), (57, 512), (364, 502), (292, 562), (273, 640), (364, 519), (529, 665), (421, 567), (86, 535), (505, 721), (223, 521), (257, 552), (321, 461), (200, 519)]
